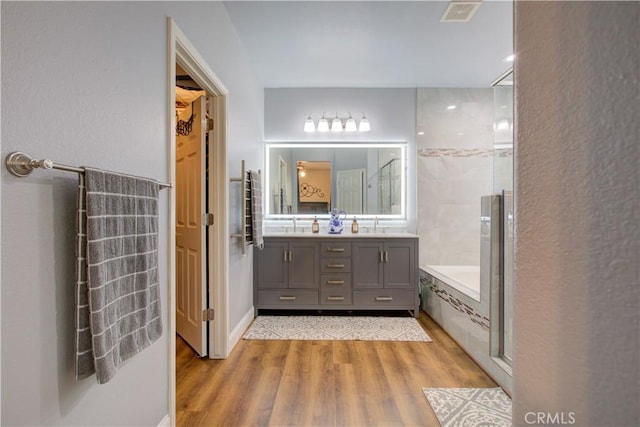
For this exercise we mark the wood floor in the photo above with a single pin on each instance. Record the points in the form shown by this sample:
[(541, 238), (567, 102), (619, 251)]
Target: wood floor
[(321, 383)]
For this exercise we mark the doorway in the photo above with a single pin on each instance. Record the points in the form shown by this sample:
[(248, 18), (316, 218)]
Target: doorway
[(350, 190), (215, 295)]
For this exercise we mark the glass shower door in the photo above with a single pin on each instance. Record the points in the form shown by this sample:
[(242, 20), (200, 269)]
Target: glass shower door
[(502, 343)]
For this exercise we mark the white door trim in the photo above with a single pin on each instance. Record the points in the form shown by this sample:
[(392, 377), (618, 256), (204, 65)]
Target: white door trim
[(181, 51)]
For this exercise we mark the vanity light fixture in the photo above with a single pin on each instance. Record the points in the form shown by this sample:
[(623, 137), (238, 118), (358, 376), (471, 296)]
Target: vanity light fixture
[(364, 124), (350, 125), (323, 124), (336, 124), (309, 125)]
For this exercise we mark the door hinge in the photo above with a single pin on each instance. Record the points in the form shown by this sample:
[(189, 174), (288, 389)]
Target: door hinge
[(207, 315), (207, 219), (209, 125)]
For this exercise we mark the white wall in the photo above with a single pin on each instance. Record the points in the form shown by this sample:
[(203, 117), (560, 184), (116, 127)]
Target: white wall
[(577, 335), (390, 111), (85, 84)]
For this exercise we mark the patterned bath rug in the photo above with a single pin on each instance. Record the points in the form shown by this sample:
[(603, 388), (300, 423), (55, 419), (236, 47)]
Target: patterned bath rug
[(470, 407), (362, 328)]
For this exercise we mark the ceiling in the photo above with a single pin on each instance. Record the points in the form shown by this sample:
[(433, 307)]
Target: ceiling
[(372, 43)]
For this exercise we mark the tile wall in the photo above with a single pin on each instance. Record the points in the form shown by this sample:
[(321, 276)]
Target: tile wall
[(455, 168)]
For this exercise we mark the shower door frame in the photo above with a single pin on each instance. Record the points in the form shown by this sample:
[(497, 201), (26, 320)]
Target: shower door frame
[(498, 300)]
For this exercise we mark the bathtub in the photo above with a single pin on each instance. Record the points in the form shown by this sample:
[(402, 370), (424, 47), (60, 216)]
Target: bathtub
[(464, 278), (451, 297)]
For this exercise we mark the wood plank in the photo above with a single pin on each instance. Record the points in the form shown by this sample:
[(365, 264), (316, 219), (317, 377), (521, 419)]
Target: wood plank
[(321, 383)]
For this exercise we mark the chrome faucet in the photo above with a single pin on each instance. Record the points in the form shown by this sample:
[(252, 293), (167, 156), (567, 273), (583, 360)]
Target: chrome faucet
[(375, 224), (294, 224)]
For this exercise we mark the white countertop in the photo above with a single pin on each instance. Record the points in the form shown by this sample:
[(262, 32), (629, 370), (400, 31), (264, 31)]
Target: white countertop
[(343, 235)]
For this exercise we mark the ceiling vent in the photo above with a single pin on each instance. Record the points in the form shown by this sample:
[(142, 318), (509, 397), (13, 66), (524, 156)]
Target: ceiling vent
[(460, 11)]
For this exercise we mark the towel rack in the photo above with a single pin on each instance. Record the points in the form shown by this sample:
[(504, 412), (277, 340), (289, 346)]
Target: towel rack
[(246, 219), (246, 230), (21, 165)]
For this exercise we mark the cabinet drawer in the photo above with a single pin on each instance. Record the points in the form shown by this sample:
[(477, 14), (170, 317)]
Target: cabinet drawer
[(335, 250), (339, 296), (335, 281), (287, 297), (338, 265), (384, 298)]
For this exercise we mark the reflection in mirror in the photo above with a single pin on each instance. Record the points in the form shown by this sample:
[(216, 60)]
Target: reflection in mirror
[(314, 186), (367, 180)]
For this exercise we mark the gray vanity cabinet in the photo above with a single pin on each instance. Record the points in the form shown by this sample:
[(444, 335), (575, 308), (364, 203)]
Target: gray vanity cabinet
[(399, 264), (335, 273), (288, 264), (272, 265), (385, 274), (389, 264), (303, 264), (348, 273), (287, 274), (367, 257)]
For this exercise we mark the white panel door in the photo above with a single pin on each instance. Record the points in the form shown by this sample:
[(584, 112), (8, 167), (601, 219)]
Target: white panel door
[(350, 191), (191, 278)]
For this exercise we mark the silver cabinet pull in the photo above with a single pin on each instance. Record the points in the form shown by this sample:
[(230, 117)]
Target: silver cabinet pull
[(335, 282), (286, 298), (335, 249), (290, 256), (335, 265), (386, 256), (380, 256), (284, 253), (384, 298), (335, 298)]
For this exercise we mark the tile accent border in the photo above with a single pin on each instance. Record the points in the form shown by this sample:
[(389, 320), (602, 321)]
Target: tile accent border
[(456, 303), (465, 152)]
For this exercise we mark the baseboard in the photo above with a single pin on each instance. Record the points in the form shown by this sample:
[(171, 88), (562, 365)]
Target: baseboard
[(241, 327), (165, 422)]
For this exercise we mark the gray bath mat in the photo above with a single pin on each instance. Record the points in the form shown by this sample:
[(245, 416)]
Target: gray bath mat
[(363, 328), (470, 407)]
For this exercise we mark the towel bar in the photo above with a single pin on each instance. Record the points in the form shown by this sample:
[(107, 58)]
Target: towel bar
[(246, 228), (21, 165), (246, 233)]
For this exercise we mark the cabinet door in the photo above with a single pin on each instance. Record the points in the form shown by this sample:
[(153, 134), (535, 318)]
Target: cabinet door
[(304, 271), (273, 268), (367, 265), (399, 264)]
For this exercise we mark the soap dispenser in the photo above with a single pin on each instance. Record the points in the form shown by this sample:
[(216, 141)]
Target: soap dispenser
[(354, 226), (315, 227)]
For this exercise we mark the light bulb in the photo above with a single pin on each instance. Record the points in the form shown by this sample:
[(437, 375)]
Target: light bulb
[(364, 124), (336, 125), (323, 125), (309, 126), (350, 126)]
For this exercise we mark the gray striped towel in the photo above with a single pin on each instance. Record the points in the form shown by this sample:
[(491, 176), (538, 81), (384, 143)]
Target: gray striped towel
[(255, 182), (117, 290)]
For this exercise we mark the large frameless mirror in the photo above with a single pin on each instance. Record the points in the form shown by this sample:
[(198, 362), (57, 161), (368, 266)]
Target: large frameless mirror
[(364, 180)]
